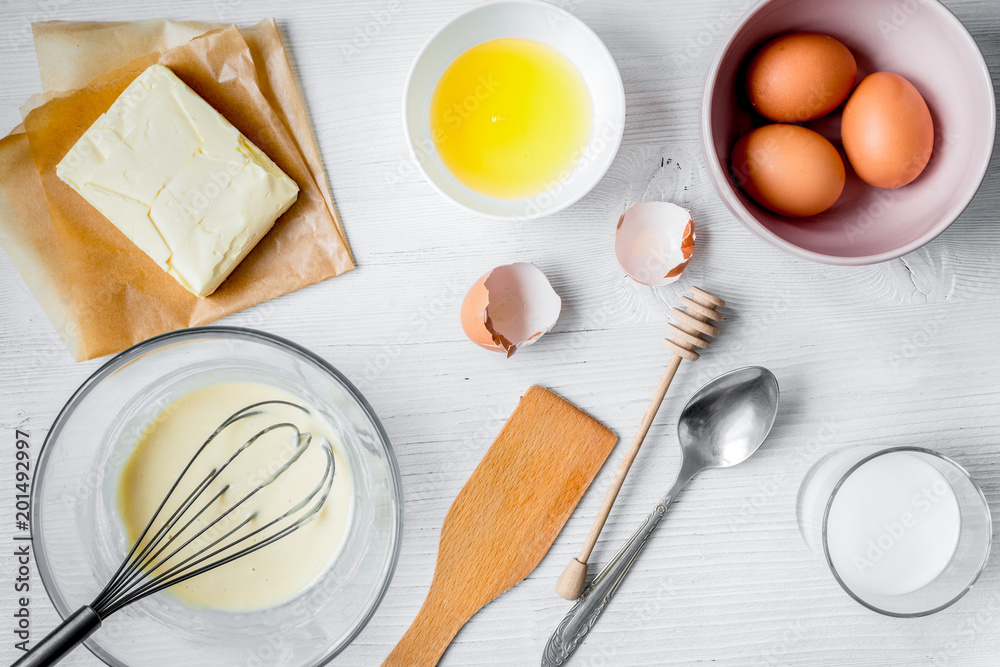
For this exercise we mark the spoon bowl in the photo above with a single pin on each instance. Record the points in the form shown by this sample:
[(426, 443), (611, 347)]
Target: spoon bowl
[(729, 418)]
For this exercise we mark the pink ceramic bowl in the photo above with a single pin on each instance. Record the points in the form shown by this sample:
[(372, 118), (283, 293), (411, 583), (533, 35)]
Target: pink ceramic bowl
[(918, 39)]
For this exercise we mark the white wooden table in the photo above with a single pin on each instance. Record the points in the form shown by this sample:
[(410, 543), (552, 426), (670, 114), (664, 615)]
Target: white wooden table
[(903, 352)]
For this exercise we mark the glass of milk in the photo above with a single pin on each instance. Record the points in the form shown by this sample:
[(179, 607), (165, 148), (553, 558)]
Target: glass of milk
[(905, 530)]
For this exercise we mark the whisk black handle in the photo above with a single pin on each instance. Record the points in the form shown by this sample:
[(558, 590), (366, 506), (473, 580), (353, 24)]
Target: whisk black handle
[(77, 627)]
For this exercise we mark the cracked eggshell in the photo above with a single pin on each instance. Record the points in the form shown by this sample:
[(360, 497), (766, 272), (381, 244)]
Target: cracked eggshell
[(654, 242), (510, 307)]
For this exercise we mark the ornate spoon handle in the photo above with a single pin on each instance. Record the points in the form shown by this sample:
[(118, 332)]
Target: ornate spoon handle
[(581, 617)]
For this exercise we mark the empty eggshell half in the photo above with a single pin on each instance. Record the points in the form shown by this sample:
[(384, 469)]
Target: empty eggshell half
[(654, 242), (510, 307)]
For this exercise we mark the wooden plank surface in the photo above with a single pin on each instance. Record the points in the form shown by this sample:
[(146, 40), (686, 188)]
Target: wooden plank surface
[(902, 352)]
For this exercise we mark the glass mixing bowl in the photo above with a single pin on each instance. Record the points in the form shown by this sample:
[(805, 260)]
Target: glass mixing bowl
[(80, 540)]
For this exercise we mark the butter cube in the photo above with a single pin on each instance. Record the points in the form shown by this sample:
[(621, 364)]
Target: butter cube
[(178, 180)]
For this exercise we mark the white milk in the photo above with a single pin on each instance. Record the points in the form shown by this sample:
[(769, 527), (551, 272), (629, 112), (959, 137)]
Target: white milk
[(893, 526)]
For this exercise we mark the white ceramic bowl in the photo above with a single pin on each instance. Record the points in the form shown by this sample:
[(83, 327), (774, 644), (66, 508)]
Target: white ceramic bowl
[(526, 19)]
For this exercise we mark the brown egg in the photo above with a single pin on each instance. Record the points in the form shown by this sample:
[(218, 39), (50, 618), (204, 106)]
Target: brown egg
[(887, 131), (801, 76), (789, 170)]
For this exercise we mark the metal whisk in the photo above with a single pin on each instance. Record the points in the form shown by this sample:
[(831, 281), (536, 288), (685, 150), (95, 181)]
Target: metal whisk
[(157, 559)]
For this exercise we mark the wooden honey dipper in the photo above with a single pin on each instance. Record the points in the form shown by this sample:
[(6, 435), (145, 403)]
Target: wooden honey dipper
[(688, 332)]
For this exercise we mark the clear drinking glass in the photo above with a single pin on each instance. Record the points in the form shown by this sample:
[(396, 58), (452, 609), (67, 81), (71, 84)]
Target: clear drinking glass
[(904, 530), (80, 539)]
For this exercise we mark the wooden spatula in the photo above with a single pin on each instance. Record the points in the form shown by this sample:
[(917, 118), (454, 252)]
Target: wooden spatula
[(506, 516)]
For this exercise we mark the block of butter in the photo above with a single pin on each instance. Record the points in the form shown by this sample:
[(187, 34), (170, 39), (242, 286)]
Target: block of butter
[(178, 180)]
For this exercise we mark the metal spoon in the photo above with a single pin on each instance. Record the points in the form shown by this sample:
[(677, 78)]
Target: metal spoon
[(724, 423)]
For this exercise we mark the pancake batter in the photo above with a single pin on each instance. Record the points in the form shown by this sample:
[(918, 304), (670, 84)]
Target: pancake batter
[(279, 571)]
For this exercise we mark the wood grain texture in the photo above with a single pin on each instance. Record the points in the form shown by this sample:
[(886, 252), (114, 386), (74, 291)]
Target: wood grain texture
[(506, 516), (902, 352)]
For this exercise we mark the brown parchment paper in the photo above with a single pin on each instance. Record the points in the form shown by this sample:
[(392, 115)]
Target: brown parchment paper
[(100, 292), (33, 248), (71, 54)]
